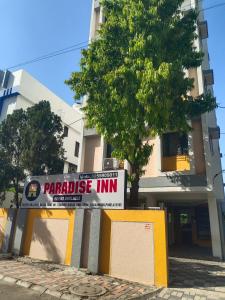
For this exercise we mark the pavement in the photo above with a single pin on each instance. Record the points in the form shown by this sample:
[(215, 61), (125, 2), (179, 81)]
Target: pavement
[(195, 279), (190, 279), (63, 282)]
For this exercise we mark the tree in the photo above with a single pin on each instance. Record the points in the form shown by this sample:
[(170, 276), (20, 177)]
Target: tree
[(135, 79), (11, 148), (43, 141), (30, 143), (5, 169)]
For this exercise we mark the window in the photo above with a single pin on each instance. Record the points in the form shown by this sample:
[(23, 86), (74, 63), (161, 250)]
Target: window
[(65, 131), (72, 168), (174, 144), (97, 19), (77, 149), (109, 151), (211, 145)]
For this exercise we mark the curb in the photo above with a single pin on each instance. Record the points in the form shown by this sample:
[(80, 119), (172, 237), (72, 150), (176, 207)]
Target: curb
[(148, 295), (38, 288)]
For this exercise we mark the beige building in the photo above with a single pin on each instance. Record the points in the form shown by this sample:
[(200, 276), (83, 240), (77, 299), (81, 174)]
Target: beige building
[(182, 172), (20, 90)]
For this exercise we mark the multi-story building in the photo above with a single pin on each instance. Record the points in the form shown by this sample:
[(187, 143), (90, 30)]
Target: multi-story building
[(184, 172), (20, 90)]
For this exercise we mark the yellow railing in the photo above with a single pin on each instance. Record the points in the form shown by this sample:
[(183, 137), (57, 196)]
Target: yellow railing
[(176, 163)]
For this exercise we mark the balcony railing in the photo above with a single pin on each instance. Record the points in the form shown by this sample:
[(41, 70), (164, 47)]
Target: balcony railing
[(176, 163)]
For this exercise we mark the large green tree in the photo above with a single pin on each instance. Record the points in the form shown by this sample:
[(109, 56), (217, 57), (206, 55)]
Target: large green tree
[(135, 79), (11, 145), (43, 141), (5, 171), (30, 143)]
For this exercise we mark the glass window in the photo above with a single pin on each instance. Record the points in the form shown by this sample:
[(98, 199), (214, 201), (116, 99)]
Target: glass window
[(211, 145), (77, 149), (174, 144), (109, 151), (65, 131)]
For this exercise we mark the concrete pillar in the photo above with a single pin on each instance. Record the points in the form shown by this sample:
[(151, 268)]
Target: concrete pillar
[(20, 231), (103, 151), (158, 149), (9, 230), (215, 227), (94, 242), (191, 152), (77, 238), (66, 168), (222, 226)]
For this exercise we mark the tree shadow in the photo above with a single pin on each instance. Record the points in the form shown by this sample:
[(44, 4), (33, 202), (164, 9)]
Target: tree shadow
[(47, 240), (189, 273), (39, 234)]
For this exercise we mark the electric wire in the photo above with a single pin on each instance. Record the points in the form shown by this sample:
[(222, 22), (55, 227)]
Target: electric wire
[(52, 54), (84, 45), (75, 121), (213, 6)]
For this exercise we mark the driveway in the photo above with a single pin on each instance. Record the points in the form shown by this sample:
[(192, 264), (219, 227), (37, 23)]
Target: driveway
[(195, 279)]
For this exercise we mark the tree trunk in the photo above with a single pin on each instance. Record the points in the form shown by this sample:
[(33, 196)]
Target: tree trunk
[(16, 186), (134, 196)]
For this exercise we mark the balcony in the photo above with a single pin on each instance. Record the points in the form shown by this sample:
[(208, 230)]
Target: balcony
[(176, 163), (175, 152)]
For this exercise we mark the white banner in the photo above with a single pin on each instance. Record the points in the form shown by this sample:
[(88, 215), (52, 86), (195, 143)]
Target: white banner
[(104, 189)]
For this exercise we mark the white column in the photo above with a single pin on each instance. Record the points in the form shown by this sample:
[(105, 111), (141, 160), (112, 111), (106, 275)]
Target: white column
[(158, 148), (66, 167), (191, 152), (215, 227), (82, 149), (103, 151)]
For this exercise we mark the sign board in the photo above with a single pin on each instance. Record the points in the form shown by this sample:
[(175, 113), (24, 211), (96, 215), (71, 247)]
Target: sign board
[(104, 189)]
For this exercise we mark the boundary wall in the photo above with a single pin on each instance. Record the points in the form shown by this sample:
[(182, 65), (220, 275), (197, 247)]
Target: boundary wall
[(127, 244)]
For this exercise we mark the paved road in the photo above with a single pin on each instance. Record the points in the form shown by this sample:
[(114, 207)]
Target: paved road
[(10, 291)]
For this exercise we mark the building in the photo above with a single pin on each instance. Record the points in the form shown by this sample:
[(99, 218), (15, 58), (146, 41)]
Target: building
[(184, 173), (20, 90)]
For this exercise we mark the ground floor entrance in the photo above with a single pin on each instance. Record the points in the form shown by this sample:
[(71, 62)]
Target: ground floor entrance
[(188, 225), (188, 229)]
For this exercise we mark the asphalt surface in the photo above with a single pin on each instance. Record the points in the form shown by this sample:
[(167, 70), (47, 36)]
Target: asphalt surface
[(13, 292)]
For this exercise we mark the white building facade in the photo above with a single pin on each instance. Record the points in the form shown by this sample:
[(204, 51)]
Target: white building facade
[(20, 90), (184, 176)]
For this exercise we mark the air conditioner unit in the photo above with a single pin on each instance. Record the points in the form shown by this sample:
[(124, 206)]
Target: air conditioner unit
[(113, 164)]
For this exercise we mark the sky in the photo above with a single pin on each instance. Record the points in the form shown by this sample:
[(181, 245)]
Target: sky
[(32, 28)]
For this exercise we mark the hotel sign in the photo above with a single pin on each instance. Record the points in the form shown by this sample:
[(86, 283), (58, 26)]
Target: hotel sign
[(104, 189)]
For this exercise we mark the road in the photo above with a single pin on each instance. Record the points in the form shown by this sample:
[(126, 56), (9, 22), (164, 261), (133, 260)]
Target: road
[(14, 292)]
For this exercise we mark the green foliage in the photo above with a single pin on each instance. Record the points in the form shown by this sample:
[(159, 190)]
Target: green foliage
[(30, 143), (5, 170), (11, 148), (134, 76), (43, 141)]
